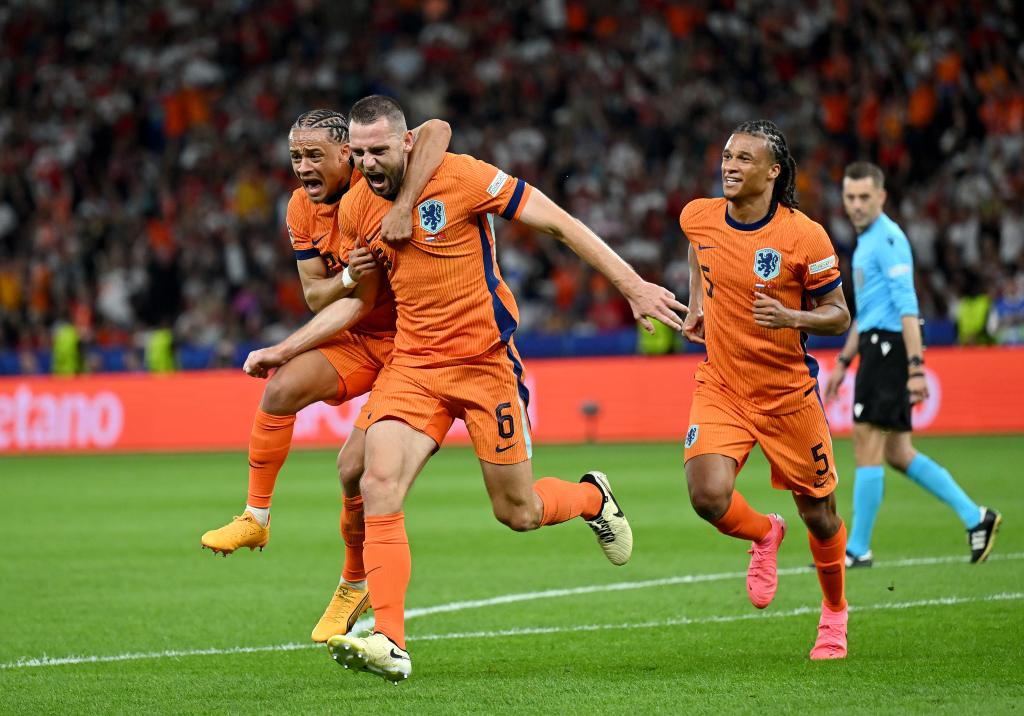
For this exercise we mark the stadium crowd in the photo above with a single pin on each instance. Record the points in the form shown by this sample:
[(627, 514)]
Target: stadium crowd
[(145, 171)]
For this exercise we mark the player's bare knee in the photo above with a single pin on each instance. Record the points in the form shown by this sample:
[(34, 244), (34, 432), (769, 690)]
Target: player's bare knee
[(282, 396), (899, 457), (517, 516), (378, 486), (821, 522), (520, 519), (709, 503), (350, 469)]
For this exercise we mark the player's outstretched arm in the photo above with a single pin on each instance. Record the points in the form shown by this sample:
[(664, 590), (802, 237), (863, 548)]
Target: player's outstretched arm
[(430, 142), (338, 316), (829, 317), (647, 300), (693, 326)]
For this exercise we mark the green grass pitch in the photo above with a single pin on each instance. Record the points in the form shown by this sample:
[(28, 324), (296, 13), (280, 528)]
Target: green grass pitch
[(101, 559)]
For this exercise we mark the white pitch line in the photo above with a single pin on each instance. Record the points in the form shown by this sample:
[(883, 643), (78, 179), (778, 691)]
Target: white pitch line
[(647, 584), (688, 621), (29, 662)]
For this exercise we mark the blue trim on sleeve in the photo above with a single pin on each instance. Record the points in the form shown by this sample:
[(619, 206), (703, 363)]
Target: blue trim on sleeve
[(830, 286), (303, 254), (506, 323), (513, 204)]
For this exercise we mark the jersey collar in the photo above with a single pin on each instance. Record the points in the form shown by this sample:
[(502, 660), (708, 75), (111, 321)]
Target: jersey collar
[(763, 221)]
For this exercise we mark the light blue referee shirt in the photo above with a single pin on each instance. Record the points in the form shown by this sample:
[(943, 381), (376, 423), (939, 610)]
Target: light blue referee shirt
[(883, 277)]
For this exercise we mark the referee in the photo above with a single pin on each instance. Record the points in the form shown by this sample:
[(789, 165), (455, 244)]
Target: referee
[(887, 335)]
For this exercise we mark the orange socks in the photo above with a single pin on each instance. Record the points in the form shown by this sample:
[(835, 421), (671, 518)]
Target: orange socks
[(830, 560), (743, 521), (268, 447), (353, 532), (388, 566), (564, 500)]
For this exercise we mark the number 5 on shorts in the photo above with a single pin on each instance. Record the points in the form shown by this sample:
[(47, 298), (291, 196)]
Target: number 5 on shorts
[(820, 457)]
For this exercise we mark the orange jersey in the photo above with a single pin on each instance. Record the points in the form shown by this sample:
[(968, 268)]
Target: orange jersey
[(312, 229), (452, 302), (786, 256)]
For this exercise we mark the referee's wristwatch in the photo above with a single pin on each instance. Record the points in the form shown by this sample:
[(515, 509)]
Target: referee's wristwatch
[(916, 366), (843, 360)]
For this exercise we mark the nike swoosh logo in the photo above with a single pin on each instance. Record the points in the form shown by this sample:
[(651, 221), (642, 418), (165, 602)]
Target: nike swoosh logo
[(701, 247), (396, 655), (317, 241), (507, 447)]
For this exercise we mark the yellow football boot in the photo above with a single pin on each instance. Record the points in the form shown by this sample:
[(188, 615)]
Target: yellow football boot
[(242, 531), (346, 606)]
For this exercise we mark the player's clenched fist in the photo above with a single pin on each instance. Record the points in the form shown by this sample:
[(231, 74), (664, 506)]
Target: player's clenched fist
[(650, 300), (259, 363), (360, 263), (396, 226)]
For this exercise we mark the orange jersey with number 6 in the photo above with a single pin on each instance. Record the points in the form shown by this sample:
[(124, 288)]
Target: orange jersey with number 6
[(453, 305)]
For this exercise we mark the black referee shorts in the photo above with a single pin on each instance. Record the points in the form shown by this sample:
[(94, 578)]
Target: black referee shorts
[(880, 394)]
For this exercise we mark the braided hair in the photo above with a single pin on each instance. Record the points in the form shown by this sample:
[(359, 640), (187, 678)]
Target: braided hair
[(334, 122), (784, 191)]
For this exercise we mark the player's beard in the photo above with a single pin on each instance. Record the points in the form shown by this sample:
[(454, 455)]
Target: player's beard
[(394, 183)]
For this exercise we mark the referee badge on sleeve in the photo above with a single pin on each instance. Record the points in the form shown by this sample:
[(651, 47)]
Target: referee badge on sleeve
[(691, 435)]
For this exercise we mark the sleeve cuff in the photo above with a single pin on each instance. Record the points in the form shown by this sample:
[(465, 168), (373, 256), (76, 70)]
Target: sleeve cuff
[(511, 210), (303, 254), (830, 286)]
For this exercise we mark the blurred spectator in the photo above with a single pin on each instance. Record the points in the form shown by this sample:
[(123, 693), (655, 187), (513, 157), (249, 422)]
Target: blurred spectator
[(144, 172), (1006, 321)]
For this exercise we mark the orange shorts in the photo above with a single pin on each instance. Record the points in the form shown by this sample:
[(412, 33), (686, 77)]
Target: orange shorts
[(488, 393), (358, 358), (798, 445)]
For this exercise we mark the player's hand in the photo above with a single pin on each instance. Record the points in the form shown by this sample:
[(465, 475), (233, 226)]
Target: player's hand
[(259, 363), (397, 225), (650, 300), (361, 261), (917, 386), (770, 313), (693, 326), (835, 381)]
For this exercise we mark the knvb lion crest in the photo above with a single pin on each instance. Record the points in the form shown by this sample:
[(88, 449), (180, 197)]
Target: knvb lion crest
[(767, 263), (432, 216), (691, 435)]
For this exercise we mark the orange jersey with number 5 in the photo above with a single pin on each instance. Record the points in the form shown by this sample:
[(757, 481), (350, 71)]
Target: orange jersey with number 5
[(785, 255), (453, 305)]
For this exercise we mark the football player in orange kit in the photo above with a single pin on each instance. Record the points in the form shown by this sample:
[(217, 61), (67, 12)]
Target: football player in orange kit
[(454, 358), (762, 276), (343, 367)]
